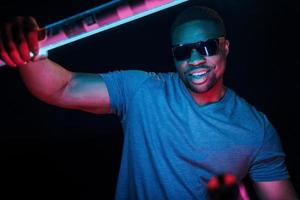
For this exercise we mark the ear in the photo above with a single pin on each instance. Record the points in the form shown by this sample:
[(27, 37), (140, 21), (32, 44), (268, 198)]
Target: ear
[(226, 47)]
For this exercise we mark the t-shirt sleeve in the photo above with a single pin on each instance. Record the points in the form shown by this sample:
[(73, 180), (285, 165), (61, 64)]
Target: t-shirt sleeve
[(121, 86), (269, 162)]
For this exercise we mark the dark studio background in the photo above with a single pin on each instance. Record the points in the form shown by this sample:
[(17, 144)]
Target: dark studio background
[(52, 153)]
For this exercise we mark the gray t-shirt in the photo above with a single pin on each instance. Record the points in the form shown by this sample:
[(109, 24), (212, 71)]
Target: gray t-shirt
[(172, 146)]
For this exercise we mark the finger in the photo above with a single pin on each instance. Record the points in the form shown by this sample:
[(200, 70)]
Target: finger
[(4, 56), (11, 46), (32, 35), (22, 42), (24, 50)]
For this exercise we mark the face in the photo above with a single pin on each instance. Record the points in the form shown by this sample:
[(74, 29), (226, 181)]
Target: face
[(200, 73)]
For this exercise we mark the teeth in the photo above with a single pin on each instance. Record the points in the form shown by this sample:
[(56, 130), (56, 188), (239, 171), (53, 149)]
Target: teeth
[(199, 73)]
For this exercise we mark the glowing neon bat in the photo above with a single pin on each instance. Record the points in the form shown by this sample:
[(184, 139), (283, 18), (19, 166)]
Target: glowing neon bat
[(98, 19)]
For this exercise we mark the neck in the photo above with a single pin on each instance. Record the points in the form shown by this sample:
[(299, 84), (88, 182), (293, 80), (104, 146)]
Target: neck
[(212, 95)]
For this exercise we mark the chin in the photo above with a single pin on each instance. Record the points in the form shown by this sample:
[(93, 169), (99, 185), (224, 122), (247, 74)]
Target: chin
[(199, 90), (203, 88)]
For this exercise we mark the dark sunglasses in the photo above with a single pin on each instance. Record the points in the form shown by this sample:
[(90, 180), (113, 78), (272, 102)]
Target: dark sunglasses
[(205, 48)]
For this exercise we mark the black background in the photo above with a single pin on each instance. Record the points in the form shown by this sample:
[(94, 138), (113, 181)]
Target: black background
[(52, 153)]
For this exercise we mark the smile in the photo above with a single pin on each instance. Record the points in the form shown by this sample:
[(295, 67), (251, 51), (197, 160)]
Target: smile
[(199, 72), (198, 76)]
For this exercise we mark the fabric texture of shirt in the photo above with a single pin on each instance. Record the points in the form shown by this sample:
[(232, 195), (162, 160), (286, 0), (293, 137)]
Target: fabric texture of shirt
[(173, 146)]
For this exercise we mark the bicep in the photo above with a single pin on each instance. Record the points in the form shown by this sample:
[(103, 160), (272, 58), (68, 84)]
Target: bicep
[(275, 190), (87, 92)]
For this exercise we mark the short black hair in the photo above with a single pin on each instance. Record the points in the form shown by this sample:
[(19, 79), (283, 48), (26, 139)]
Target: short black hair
[(199, 13)]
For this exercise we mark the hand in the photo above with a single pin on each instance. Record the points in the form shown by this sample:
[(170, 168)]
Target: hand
[(19, 37)]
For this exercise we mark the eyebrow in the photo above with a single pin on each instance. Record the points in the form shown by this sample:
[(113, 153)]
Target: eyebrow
[(220, 39)]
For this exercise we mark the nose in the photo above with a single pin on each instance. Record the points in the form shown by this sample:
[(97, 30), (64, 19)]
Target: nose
[(196, 58)]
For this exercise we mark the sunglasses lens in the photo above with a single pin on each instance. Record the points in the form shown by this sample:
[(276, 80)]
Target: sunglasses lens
[(182, 52), (208, 48)]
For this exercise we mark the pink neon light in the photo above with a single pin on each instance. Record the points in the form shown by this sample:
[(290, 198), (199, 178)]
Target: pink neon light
[(139, 7), (154, 3), (108, 18), (53, 39), (124, 11), (243, 192)]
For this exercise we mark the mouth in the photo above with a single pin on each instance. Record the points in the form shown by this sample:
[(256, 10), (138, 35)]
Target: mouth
[(198, 76)]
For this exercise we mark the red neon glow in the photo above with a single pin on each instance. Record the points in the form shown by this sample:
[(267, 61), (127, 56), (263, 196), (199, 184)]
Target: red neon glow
[(229, 179), (213, 183)]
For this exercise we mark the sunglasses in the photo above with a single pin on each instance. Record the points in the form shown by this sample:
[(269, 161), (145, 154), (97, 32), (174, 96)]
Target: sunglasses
[(205, 48)]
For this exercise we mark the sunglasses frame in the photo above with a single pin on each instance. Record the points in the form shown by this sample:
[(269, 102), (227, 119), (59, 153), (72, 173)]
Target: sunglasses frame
[(196, 45)]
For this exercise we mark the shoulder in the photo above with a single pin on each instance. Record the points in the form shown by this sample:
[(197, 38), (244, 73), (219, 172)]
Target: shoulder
[(130, 82), (248, 113), (126, 74)]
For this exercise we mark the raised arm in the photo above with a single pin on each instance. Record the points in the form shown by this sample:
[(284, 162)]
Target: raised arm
[(46, 79), (55, 85)]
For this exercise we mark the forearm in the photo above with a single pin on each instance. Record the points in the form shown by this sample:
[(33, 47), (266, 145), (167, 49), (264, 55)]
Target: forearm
[(45, 79), (276, 190)]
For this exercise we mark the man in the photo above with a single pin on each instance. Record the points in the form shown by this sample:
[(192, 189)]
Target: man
[(180, 129)]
